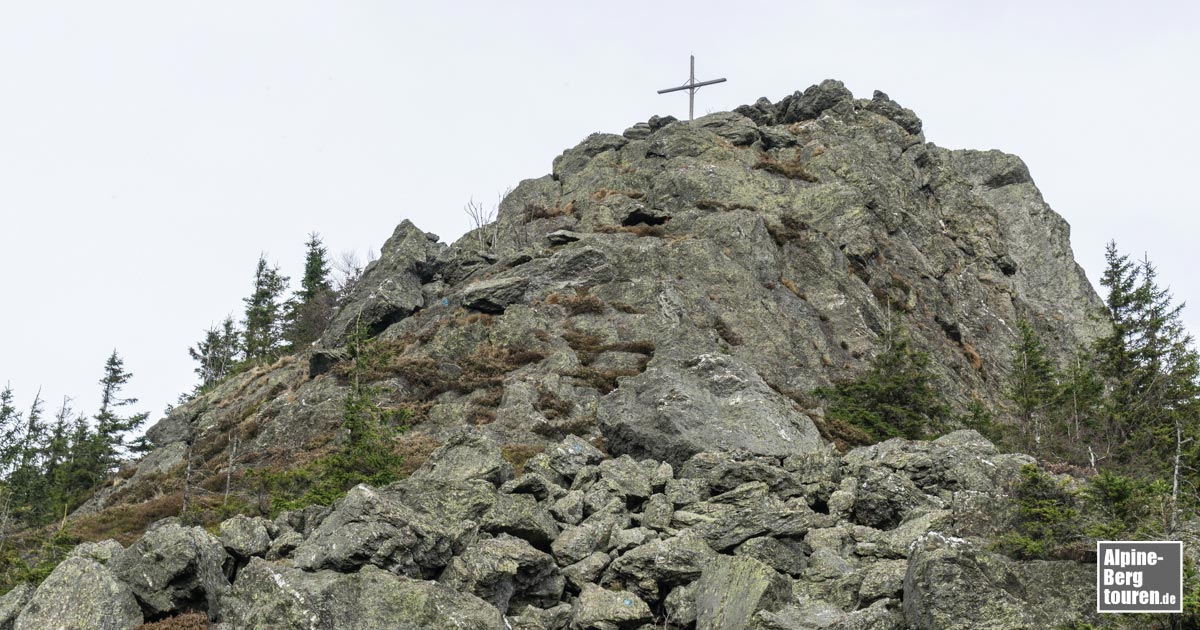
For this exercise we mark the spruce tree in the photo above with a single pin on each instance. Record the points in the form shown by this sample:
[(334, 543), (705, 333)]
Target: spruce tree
[(27, 481), (313, 304), (56, 456), (82, 470), (265, 310), (10, 432), (1032, 386), (218, 353), (1153, 373), (894, 398), (112, 429)]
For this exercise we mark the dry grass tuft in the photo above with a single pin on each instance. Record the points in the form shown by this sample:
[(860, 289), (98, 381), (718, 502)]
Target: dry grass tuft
[(792, 169), (518, 454), (185, 621), (579, 303)]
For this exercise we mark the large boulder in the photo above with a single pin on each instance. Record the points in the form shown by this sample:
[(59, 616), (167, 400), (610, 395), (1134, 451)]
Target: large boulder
[(243, 536), (748, 511), (279, 597), (174, 568), (708, 403), (467, 455), (412, 533), (660, 564), (951, 582), (732, 589), (390, 287), (81, 594), (602, 609), (505, 571)]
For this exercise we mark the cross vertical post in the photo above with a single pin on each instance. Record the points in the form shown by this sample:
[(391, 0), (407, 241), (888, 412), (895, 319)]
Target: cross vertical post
[(691, 86)]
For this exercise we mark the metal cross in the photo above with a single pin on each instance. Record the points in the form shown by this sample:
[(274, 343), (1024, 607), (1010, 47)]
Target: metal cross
[(691, 86)]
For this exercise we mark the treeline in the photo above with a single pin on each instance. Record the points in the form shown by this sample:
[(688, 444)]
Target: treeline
[(273, 323), (1127, 405), (49, 465)]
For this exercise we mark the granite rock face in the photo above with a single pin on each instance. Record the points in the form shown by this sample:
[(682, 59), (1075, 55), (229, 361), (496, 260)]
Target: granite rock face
[(609, 392)]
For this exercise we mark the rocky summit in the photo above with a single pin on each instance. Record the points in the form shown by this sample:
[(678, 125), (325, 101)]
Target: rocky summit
[(606, 397)]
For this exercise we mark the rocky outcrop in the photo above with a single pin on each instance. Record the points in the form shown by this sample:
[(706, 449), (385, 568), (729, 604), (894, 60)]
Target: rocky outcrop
[(680, 288), (671, 412), (881, 537), (634, 343), (390, 287)]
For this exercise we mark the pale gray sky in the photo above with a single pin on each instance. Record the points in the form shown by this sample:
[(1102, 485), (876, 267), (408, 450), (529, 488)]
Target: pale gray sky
[(150, 150)]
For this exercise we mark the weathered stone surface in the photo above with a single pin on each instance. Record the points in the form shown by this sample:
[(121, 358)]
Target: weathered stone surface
[(684, 492), (726, 471), (732, 589), (626, 478), (12, 602), (378, 527), (587, 570), (173, 568), (881, 104), (727, 520), (658, 512), (784, 556), (578, 542), (601, 609), (504, 571), (390, 287), (275, 596), (494, 294), (950, 582), (707, 403), (101, 552), (465, 456), (566, 458), (534, 618), (734, 127), (883, 499), (81, 594), (243, 536), (663, 563), (521, 515), (534, 484)]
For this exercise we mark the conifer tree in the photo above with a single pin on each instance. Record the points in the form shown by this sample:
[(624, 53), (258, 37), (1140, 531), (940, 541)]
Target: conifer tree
[(1151, 411), (313, 304), (1080, 399), (265, 311), (81, 471), (112, 429), (217, 353), (1033, 385), (894, 398), (10, 432), (27, 481), (56, 456)]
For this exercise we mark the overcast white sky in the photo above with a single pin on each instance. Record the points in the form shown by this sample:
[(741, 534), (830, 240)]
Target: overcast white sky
[(149, 151)]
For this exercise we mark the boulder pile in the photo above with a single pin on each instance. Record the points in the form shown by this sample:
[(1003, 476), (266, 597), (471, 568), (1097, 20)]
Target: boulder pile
[(892, 535)]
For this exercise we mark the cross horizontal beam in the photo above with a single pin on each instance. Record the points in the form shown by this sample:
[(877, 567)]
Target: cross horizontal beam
[(691, 86)]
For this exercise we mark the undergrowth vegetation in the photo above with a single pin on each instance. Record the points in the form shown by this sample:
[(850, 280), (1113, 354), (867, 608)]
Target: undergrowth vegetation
[(366, 454)]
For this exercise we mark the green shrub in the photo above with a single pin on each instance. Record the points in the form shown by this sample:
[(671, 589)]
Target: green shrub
[(1047, 522), (894, 398)]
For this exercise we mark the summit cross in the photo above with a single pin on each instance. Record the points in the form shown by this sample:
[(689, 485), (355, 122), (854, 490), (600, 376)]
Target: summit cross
[(691, 86)]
